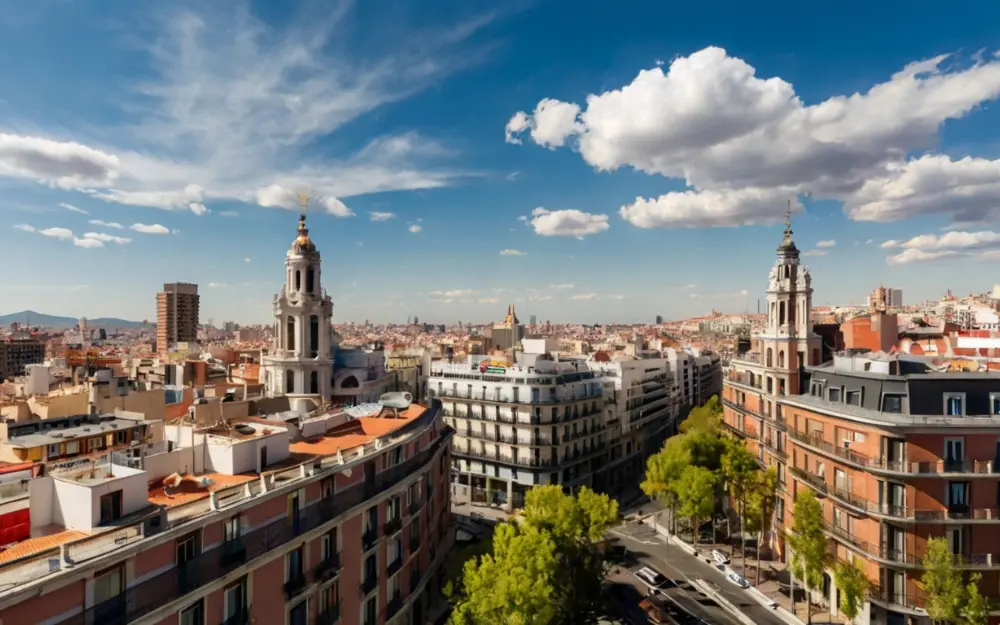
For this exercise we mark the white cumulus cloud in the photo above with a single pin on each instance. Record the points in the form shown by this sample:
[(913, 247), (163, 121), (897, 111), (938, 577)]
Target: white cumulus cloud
[(744, 144), (66, 164), (983, 245), (415, 228), (827, 243), (150, 228), (567, 223)]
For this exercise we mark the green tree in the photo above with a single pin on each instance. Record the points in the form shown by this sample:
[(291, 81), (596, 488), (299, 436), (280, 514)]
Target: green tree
[(704, 418), (577, 526), (976, 610), (942, 581), (663, 473), (808, 544), (761, 505), (853, 585), (513, 585), (696, 496), (739, 474)]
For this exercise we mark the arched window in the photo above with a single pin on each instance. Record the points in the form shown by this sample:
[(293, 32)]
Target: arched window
[(781, 313), (350, 382), (290, 334), (313, 335), (770, 357), (298, 280), (781, 358), (289, 382), (310, 279), (770, 385), (314, 382)]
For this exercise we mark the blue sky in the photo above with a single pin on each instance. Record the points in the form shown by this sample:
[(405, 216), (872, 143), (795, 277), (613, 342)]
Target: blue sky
[(587, 162)]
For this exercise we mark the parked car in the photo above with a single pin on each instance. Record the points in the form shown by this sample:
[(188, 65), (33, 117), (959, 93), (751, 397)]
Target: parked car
[(653, 580), (719, 557), (735, 578)]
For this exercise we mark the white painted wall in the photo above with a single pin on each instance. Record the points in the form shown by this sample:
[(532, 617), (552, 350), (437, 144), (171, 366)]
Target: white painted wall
[(41, 500)]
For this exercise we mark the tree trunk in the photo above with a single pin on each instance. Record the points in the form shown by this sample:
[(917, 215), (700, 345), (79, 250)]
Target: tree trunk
[(743, 536), (791, 590), (694, 531), (760, 541), (809, 611)]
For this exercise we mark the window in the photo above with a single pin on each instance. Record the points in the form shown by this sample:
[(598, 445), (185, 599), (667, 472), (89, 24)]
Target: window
[(111, 507), (231, 529), (289, 382), (314, 382), (194, 614), (833, 394), (310, 280), (120, 437), (328, 487), (370, 612), (52, 451), (72, 447), (290, 334), (313, 336), (329, 597), (954, 404), (995, 403), (329, 544), (234, 600), (955, 536), (954, 453), (298, 280), (299, 615), (187, 548), (293, 564), (892, 404), (853, 398), (958, 497), (108, 584)]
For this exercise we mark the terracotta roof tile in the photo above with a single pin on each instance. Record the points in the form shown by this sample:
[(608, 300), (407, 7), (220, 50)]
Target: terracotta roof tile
[(38, 545)]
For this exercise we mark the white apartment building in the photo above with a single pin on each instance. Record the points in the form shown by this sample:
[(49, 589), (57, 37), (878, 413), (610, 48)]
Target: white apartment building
[(698, 375), (643, 404), (538, 421)]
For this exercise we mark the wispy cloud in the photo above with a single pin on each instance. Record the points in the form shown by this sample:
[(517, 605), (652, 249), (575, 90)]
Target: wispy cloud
[(584, 296), (73, 209), (106, 224), (562, 286), (381, 216), (510, 252), (415, 228)]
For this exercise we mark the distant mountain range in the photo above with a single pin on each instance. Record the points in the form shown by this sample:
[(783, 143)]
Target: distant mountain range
[(32, 318)]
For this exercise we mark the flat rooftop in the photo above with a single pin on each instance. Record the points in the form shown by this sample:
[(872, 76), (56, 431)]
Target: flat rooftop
[(60, 435), (359, 431)]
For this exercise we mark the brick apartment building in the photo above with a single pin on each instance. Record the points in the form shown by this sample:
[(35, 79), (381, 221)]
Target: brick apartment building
[(349, 523), (177, 310), (898, 448), (18, 353)]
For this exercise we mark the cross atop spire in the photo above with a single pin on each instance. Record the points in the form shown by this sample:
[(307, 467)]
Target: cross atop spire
[(787, 245)]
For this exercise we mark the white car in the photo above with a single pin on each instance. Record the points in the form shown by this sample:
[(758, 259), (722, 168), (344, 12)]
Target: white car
[(719, 557), (653, 580), (735, 578)]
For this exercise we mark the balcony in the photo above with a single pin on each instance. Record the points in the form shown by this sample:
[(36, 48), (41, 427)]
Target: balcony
[(776, 421), (510, 439), (520, 461), (880, 552), (394, 605), (296, 583), (818, 483), (329, 616), (414, 506), (369, 538), (326, 569), (242, 617), (369, 584), (394, 566), (392, 526), (213, 564), (490, 398), (233, 552)]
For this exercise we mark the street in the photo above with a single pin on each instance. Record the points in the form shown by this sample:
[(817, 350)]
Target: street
[(650, 549)]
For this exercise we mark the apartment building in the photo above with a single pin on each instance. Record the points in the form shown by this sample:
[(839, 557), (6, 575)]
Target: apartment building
[(17, 353), (539, 421), (67, 438), (698, 375), (330, 519), (899, 449), (177, 309), (643, 404)]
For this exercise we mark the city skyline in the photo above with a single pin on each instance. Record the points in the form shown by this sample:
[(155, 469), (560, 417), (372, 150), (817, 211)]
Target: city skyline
[(159, 163)]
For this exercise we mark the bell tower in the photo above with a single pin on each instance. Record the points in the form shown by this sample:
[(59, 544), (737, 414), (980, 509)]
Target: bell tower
[(788, 343), (300, 365)]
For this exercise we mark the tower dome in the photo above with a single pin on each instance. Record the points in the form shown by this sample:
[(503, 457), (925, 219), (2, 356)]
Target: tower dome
[(302, 243)]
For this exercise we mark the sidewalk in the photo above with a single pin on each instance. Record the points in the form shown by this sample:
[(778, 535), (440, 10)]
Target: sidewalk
[(774, 579)]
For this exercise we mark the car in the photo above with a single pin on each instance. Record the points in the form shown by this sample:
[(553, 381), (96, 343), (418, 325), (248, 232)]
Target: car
[(719, 557), (653, 580), (735, 578)]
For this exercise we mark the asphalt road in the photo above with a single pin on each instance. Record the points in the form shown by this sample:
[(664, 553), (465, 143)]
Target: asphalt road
[(650, 549)]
